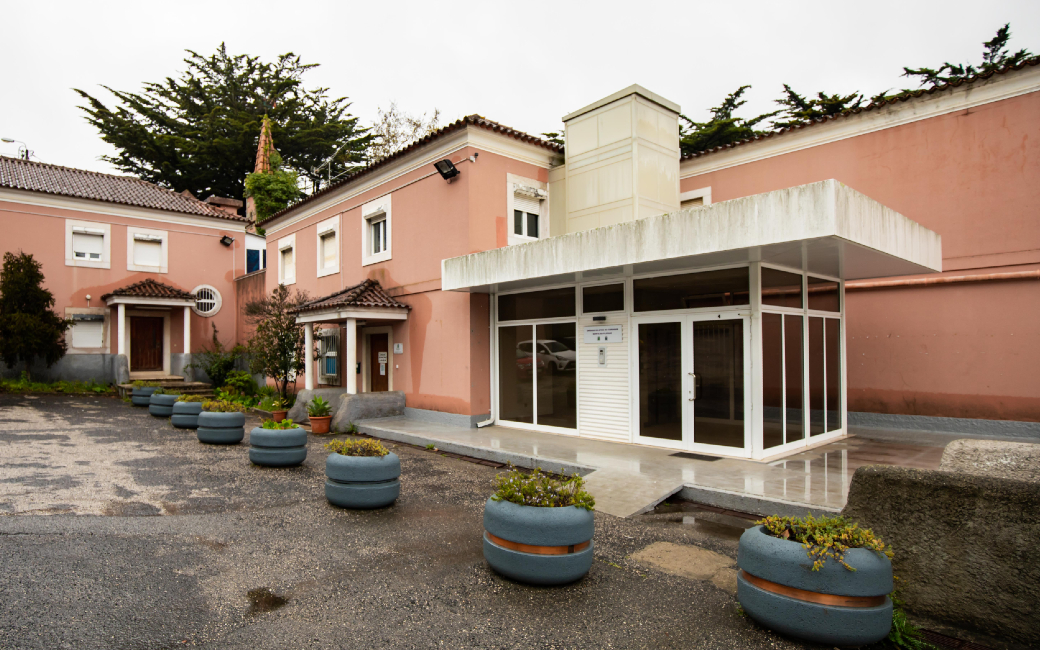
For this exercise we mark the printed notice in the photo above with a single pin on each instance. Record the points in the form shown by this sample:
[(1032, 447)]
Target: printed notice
[(382, 357), (603, 334)]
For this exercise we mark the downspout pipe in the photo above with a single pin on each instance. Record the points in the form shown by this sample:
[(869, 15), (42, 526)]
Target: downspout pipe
[(948, 279)]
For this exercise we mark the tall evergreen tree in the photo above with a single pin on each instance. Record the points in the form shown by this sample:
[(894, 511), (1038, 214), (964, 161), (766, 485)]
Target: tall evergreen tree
[(723, 127), (994, 56), (29, 329), (198, 132), (798, 110)]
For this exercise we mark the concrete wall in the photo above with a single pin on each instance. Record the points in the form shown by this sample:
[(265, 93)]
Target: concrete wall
[(965, 545), (961, 350), (102, 368)]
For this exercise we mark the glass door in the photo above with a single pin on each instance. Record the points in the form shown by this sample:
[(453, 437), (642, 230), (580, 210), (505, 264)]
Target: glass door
[(692, 383)]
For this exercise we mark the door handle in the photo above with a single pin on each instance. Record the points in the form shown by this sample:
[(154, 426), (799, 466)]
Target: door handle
[(696, 384)]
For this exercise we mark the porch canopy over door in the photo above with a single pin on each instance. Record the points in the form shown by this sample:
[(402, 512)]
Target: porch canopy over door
[(143, 336)]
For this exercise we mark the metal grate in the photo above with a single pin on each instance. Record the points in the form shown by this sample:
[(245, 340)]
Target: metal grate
[(691, 456), (328, 356)]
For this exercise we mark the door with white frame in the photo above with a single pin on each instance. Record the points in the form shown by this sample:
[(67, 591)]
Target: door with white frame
[(692, 378)]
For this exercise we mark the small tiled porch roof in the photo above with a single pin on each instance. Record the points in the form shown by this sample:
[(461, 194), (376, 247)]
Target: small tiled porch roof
[(150, 289), (366, 295)]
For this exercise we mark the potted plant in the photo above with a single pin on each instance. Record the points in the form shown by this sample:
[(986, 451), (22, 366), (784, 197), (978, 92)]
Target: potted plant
[(221, 423), (278, 444), (538, 529), (320, 413), (361, 474), (824, 580), (161, 402), (186, 411), (142, 392), (276, 406)]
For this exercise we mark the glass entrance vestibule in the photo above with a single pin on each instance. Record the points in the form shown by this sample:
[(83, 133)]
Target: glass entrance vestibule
[(744, 360)]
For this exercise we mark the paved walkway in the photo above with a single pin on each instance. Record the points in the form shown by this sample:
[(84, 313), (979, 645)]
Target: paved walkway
[(630, 479)]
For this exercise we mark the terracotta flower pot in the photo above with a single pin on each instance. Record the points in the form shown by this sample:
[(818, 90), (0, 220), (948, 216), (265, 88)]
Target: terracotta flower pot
[(278, 416), (320, 424)]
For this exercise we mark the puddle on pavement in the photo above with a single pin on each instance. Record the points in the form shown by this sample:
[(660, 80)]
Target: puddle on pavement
[(709, 520), (264, 600)]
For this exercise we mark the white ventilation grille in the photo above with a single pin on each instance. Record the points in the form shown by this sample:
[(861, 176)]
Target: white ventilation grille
[(207, 300)]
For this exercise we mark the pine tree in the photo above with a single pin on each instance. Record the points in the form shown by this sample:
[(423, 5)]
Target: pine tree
[(798, 110), (994, 56), (29, 329), (723, 128), (198, 132)]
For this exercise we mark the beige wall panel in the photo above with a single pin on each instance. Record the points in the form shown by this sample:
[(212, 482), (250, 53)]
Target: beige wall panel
[(583, 191), (615, 124), (615, 182), (582, 136)]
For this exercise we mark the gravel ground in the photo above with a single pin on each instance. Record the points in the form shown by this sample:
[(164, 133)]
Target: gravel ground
[(119, 531)]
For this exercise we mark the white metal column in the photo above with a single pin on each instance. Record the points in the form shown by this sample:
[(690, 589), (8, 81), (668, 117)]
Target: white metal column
[(351, 365), (187, 330), (122, 328), (308, 356)]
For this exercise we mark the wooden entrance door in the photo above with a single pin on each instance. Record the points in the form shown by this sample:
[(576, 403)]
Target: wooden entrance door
[(379, 363), (146, 343)]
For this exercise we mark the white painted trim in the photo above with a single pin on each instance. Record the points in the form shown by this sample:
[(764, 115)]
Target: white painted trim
[(218, 298), (701, 193), (105, 330), (995, 89), (513, 180), (103, 208), (123, 336), (131, 235), (288, 242), (330, 225), (366, 364), (373, 211), (187, 330), (350, 365), (158, 302), (308, 356), (335, 314), (106, 245)]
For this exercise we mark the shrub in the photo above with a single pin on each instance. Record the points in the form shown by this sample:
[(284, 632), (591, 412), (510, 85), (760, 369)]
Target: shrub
[(165, 391), (242, 382), (216, 361), (284, 424), (221, 406), (229, 394), (542, 490), (825, 537), (25, 385), (271, 403), (140, 383), (319, 407), (362, 447), (193, 398)]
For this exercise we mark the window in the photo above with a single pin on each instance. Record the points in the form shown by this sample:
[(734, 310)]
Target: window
[(781, 289), (87, 244), (526, 212), (823, 294), (256, 253), (328, 356), (287, 260), (207, 300), (695, 198), (88, 331), (552, 303), (328, 246), (602, 298), (146, 250), (691, 290), (377, 231), (527, 209)]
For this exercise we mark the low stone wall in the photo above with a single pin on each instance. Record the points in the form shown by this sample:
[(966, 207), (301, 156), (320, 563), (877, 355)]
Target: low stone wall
[(1000, 458), (102, 368), (348, 408), (965, 545)]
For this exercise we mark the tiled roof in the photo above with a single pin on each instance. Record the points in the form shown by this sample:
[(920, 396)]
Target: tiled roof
[(150, 289), (367, 294), (894, 99), (32, 176), (469, 120)]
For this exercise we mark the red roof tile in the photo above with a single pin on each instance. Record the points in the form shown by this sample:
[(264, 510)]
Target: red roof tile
[(894, 99), (367, 294), (469, 120), (150, 289), (32, 176)]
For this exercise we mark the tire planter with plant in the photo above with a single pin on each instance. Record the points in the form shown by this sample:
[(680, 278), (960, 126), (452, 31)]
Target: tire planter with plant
[(278, 444), (361, 474), (221, 423), (822, 580), (142, 395), (319, 412), (186, 412), (538, 529), (161, 404)]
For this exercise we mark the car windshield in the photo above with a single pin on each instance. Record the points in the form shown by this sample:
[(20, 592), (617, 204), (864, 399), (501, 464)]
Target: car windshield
[(555, 346)]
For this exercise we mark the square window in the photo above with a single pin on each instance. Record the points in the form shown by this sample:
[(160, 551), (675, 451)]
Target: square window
[(288, 268), (87, 246), (147, 252), (377, 231), (88, 333), (377, 234), (329, 253)]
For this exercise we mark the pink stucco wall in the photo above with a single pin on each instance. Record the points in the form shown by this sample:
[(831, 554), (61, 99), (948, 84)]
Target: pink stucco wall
[(963, 350), (446, 361)]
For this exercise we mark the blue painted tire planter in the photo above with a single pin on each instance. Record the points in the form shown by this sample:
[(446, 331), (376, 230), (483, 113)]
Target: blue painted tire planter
[(142, 396), (512, 531), (221, 428), (186, 415), (161, 405), (277, 447), (362, 482), (777, 588)]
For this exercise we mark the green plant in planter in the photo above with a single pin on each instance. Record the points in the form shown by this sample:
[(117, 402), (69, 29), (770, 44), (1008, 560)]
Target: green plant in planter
[(140, 383), (319, 407), (219, 406), (193, 398), (362, 447), (825, 537), (542, 490), (165, 391), (284, 424)]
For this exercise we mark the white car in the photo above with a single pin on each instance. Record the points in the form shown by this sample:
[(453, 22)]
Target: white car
[(549, 351)]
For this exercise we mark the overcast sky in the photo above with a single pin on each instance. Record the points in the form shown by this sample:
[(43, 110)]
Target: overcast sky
[(524, 64)]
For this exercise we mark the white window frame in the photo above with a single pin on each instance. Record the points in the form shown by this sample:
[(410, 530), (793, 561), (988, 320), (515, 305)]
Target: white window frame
[(216, 298), (323, 229), (132, 233), (519, 184), (106, 247), (105, 331), (374, 210), (701, 193), (284, 243)]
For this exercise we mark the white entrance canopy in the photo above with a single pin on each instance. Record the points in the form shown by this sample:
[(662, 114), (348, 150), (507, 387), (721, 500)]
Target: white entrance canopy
[(826, 228)]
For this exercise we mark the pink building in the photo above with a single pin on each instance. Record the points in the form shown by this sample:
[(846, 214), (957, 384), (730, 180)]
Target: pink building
[(145, 273)]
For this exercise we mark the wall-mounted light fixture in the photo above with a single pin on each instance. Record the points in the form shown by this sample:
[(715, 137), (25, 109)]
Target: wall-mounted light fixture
[(227, 240), (447, 169)]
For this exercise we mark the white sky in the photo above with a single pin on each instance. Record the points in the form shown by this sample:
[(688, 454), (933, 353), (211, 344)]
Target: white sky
[(524, 64)]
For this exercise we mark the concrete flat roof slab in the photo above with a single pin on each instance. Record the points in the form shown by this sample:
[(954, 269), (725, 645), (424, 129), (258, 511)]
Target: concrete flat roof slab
[(827, 226)]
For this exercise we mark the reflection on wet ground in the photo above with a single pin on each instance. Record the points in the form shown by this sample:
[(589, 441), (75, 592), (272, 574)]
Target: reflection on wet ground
[(714, 522)]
